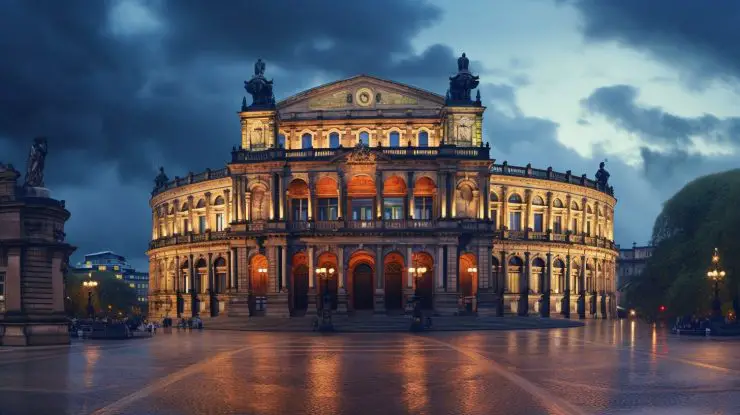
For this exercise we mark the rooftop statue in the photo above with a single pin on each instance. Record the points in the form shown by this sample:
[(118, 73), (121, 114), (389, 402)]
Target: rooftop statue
[(260, 88), (161, 179), (462, 84), (602, 177), (35, 165)]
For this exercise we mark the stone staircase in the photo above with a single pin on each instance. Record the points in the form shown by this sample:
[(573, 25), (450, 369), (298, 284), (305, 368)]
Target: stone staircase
[(385, 324)]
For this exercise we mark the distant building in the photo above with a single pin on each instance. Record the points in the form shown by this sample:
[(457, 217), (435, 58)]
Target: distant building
[(108, 261), (631, 263)]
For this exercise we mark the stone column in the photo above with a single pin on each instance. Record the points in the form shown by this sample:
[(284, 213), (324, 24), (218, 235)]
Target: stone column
[(486, 189), (409, 264), (584, 215), (340, 268), (441, 199), (504, 207), (567, 288), (379, 306), (248, 206), (275, 206), (524, 287), (596, 220), (448, 194), (311, 275), (528, 214), (312, 203), (178, 274), (379, 191), (176, 223), (504, 282), (582, 289), (439, 265), (410, 195), (283, 196), (548, 213), (285, 271), (190, 215), (569, 215), (235, 214), (342, 203), (209, 221)]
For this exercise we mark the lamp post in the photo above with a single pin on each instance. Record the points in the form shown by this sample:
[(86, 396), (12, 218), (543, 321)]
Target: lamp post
[(325, 323), (90, 284), (473, 271), (417, 273), (716, 274), (325, 274)]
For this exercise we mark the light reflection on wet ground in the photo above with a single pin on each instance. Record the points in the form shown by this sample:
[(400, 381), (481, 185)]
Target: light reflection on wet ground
[(606, 367)]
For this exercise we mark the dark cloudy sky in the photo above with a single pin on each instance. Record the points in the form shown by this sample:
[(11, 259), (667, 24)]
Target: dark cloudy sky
[(121, 87)]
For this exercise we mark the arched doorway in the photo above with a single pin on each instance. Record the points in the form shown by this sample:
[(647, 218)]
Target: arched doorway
[(362, 286), (219, 271), (257, 281), (425, 282), (516, 274), (539, 276), (468, 275), (393, 273), (330, 283), (300, 283)]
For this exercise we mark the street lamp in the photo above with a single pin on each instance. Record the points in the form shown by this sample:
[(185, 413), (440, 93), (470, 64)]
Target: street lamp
[(417, 273), (90, 284), (716, 274), (325, 274)]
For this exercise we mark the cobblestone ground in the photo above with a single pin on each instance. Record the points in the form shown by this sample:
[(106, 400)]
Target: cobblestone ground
[(604, 368)]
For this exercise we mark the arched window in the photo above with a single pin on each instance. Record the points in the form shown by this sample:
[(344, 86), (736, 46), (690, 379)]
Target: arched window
[(537, 201), (219, 201), (557, 203), (281, 141), (306, 141), (515, 198), (365, 138), (395, 139), (334, 140), (574, 205), (423, 139), (201, 204)]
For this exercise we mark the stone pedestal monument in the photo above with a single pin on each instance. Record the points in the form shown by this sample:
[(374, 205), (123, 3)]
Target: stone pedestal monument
[(32, 257)]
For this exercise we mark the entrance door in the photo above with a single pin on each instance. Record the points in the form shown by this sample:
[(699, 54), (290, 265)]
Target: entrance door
[(466, 284), (362, 286), (426, 291), (393, 286), (300, 289)]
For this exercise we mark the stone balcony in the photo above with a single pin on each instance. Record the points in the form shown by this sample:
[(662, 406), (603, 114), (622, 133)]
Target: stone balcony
[(326, 154), (360, 227)]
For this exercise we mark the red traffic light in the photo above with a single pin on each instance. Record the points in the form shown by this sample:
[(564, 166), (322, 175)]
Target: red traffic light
[(661, 308)]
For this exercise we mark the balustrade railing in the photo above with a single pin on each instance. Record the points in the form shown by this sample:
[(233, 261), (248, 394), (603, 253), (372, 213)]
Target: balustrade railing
[(549, 174), (387, 225)]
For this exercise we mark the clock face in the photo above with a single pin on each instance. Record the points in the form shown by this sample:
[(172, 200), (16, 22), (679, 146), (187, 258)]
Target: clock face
[(364, 97)]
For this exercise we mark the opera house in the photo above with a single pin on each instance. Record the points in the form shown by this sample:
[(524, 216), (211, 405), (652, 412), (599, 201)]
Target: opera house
[(363, 193)]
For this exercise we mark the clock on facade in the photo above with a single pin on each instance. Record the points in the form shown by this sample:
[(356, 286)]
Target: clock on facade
[(364, 97)]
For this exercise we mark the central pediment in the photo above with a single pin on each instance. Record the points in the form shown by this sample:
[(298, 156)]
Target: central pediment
[(362, 92)]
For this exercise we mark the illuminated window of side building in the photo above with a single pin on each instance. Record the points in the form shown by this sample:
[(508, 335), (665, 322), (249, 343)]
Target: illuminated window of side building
[(201, 224), (116, 267), (515, 221), (395, 139), (119, 276), (557, 224), (219, 222), (538, 222), (306, 141), (422, 207), (393, 208), (334, 140), (102, 268), (423, 139), (328, 208), (132, 285), (365, 138)]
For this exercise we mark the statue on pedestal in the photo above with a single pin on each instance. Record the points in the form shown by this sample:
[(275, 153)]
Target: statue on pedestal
[(602, 178), (161, 180), (260, 88), (462, 84), (35, 165)]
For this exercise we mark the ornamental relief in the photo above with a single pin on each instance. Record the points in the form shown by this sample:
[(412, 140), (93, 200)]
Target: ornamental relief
[(259, 203)]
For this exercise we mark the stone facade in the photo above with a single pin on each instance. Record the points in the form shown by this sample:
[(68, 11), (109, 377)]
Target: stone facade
[(372, 178), (32, 257)]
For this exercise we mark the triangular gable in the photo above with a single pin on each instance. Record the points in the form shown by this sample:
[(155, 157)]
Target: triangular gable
[(358, 93)]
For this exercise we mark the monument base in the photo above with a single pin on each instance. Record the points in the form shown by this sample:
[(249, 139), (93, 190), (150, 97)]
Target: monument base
[(37, 192), (34, 334)]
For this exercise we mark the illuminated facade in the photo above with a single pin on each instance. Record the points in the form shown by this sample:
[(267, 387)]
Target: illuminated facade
[(372, 178)]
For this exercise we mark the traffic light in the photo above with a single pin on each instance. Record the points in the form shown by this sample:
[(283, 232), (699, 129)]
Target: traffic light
[(661, 308)]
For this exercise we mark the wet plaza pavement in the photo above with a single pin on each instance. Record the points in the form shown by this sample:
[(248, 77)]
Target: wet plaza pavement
[(603, 368)]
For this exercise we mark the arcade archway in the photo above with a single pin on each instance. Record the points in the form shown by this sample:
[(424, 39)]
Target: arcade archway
[(393, 273), (362, 268)]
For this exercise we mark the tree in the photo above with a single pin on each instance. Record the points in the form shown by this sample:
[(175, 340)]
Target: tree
[(701, 216), (110, 292)]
